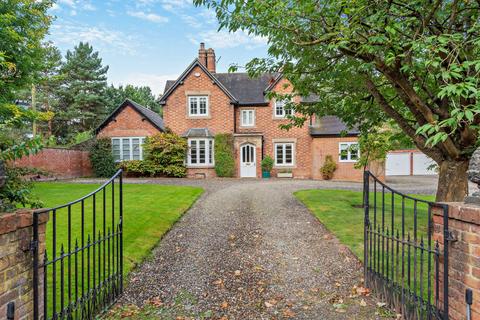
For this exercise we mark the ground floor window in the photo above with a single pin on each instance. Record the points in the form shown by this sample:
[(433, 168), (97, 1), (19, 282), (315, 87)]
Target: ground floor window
[(130, 148), (200, 152), (284, 154), (349, 151)]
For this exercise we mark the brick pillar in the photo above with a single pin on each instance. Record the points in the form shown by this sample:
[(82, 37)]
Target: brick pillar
[(16, 270), (464, 257)]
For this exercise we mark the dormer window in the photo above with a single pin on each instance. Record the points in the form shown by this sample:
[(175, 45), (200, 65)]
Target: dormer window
[(280, 110), (198, 106)]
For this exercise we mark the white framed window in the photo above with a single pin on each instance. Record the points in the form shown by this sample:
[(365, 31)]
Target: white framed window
[(279, 109), (284, 154), (348, 151), (200, 152), (198, 106), (127, 148), (247, 118)]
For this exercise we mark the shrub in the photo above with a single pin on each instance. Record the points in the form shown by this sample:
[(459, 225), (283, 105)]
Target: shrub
[(139, 168), (17, 190), (267, 164), (328, 168), (165, 154), (101, 158), (224, 155)]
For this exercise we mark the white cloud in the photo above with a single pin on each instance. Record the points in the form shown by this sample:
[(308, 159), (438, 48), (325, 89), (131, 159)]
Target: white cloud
[(148, 16), (156, 82), (224, 39), (70, 3), (100, 37), (191, 21)]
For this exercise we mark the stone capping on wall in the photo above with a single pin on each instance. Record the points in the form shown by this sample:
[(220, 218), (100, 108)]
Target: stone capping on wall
[(464, 256), (16, 261)]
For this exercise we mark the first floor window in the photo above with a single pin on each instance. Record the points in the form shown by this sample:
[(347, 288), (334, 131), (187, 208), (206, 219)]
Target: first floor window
[(247, 118), (127, 148), (198, 106), (349, 151), (280, 110), (284, 154), (200, 152)]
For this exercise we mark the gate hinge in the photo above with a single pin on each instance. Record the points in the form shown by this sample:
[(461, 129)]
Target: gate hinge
[(33, 246), (450, 236)]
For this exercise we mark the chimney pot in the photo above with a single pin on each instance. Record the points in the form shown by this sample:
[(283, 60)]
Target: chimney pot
[(202, 54)]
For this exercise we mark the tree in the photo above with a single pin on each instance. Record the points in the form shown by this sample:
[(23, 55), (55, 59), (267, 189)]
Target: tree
[(416, 62), (82, 104), (142, 95), (23, 25)]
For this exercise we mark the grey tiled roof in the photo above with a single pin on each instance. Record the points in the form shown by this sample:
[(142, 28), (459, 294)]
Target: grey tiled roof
[(149, 114), (198, 133), (330, 126), (245, 89)]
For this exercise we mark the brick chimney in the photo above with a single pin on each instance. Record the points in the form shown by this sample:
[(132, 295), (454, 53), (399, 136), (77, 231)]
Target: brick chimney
[(211, 60), (202, 54)]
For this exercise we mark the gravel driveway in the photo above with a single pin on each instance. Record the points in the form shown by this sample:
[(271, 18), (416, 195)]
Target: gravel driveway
[(248, 249)]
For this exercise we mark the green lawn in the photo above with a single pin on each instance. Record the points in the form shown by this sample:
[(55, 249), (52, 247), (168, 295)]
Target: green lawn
[(341, 213), (149, 212)]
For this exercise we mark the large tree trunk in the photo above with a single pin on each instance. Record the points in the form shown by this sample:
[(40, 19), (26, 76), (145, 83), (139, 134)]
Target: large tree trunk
[(452, 181)]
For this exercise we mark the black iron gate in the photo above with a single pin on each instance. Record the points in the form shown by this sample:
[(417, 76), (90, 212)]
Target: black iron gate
[(404, 263), (81, 272)]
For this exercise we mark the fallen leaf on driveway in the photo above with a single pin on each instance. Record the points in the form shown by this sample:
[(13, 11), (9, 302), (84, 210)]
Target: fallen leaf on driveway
[(224, 305), (237, 273), (363, 303), (288, 313)]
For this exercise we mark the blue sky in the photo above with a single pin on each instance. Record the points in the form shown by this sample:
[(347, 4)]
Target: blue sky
[(146, 42)]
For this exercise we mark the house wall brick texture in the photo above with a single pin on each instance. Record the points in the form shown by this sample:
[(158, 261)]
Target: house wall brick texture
[(62, 163), (128, 123), (464, 257), (16, 272)]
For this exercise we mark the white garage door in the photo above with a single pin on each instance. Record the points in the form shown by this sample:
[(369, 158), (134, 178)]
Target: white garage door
[(398, 164), (421, 164)]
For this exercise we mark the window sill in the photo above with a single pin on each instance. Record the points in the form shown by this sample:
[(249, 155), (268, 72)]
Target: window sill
[(200, 166), (199, 117), (280, 167), (347, 161)]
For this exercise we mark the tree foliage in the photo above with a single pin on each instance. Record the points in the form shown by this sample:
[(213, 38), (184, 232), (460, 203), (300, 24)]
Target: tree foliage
[(142, 95), (416, 62), (83, 103), (23, 25)]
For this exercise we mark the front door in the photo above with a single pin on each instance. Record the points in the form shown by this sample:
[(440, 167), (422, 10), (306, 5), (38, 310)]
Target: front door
[(248, 165)]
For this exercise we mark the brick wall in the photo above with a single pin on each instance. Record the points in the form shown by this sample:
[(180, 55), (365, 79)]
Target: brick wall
[(128, 123), (464, 257), (16, 271), (62, 163), (175, 112)]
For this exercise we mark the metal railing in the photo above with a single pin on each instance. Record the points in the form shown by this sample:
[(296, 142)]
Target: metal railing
[(404, 264), (82, 267)]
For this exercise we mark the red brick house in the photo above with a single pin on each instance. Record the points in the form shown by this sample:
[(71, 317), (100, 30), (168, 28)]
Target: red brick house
[(202, 103), (127, 126)]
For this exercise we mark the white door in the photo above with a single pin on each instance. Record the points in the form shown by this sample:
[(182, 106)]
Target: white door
[(248, 165), (398, 164)]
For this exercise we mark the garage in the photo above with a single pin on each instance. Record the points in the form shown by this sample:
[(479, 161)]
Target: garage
[(409, 163)]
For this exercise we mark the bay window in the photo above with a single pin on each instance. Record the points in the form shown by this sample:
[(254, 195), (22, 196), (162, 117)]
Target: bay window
[(200, 152)]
